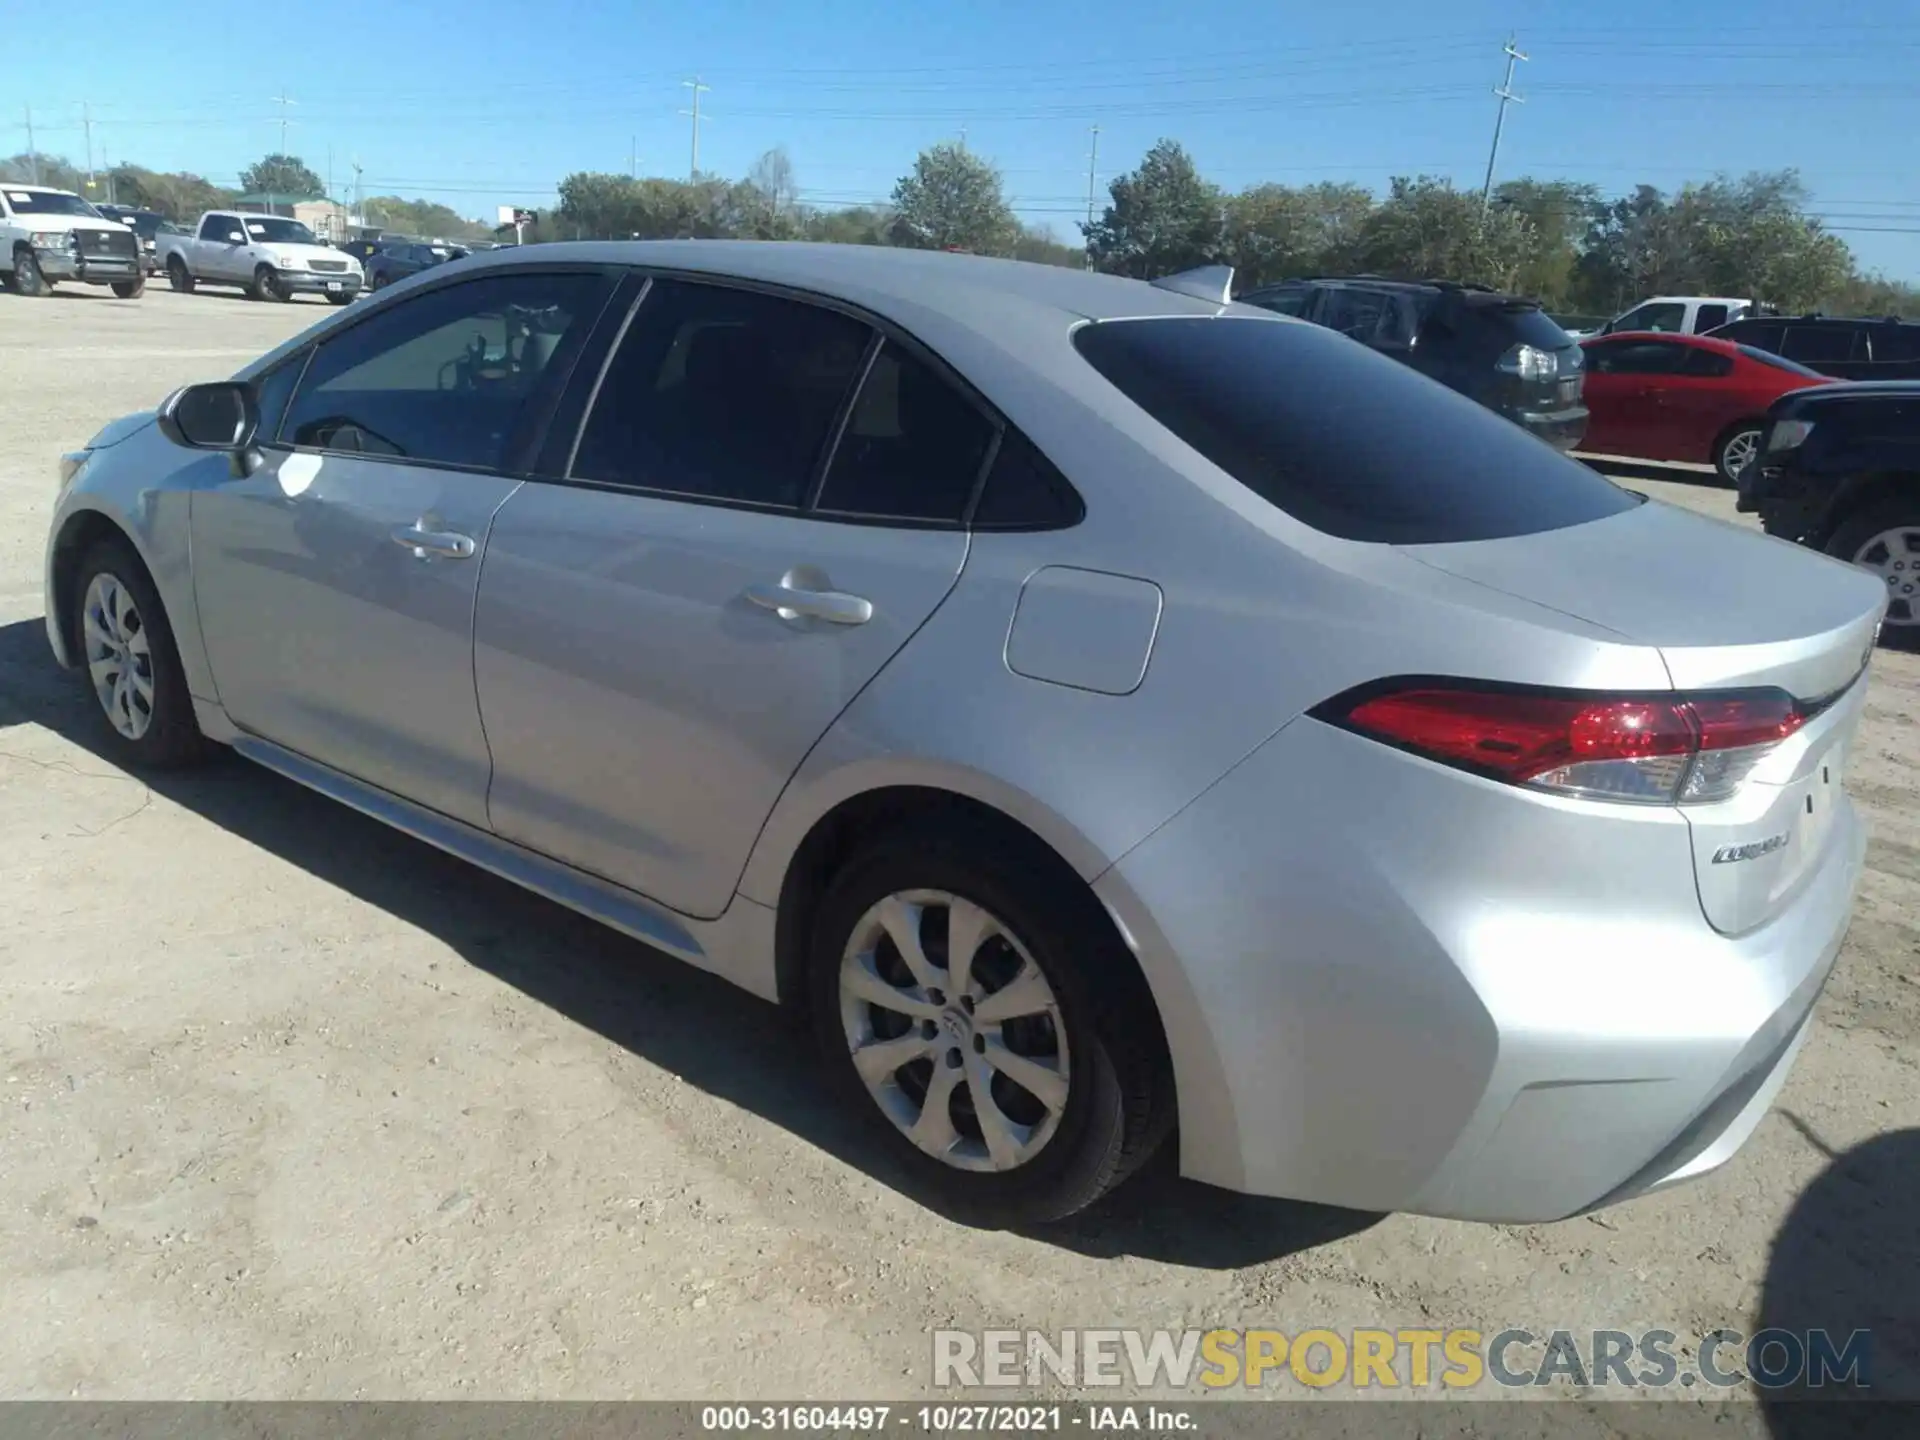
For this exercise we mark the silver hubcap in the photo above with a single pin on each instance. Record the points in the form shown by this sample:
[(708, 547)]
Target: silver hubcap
[(1740, 450), (118, 660), (1894, 555), (955, 1030)]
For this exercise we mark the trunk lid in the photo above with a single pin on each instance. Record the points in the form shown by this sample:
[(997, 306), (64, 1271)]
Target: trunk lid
[(1727, 609)]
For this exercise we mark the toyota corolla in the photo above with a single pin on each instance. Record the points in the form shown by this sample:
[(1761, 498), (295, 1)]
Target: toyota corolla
[(1108, 712)]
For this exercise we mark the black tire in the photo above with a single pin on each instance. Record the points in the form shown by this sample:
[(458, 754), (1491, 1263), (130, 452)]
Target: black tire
[(27, 277), (339, 299), (1725, 442), (381, 281), (178, 276), (266, 285), (172, 737), (1118, 1107), (130, 289), (1901, 629)]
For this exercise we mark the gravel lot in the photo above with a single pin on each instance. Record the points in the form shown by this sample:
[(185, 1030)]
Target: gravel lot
[(295, 1107)]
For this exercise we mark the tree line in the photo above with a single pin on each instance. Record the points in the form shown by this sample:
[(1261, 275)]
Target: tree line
[(1568, 244)]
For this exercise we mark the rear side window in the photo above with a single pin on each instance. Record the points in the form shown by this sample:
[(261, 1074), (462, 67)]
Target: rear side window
[(1819, 344), (1284, 300), (1709, 317), (912, 448), (1025, 491), (1895, 342), (722, 394), (1706, 364), (1761, 334), (1341, 438), (1777, 362)]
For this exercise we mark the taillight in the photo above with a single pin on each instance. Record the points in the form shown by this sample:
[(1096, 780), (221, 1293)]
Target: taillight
[(1651, 749)]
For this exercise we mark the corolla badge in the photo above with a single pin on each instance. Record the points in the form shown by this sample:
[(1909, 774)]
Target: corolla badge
[(1752, 850)]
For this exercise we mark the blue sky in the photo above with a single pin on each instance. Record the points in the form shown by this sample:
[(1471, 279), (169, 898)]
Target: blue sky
[(477, 103)]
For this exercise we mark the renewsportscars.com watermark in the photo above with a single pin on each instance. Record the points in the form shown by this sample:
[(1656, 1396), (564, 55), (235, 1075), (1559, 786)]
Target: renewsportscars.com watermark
[(1402, 1359)]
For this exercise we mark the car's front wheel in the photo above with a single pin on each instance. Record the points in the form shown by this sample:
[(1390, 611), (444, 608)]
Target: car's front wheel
[(131, 661), (266, 285), (979, 1006), (131, 289), (28, 279)]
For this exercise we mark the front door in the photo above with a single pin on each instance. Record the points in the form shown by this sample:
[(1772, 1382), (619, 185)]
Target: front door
[(660, 643), (1628, 400), (336, 583)]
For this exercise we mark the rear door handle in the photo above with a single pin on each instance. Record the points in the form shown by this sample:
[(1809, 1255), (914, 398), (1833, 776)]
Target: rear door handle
[(791, 602), (434, 542)]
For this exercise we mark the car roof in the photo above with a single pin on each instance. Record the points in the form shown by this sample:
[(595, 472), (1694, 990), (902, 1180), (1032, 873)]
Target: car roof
[(894, 282), (38, 189), (1846, 388), (1697, 342)]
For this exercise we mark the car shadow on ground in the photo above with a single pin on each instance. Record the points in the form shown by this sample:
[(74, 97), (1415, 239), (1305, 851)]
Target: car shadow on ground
[(1847, 1259), (1627, 470), (687, 1022)]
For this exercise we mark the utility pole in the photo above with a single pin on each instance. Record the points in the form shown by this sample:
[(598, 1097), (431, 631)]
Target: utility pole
[(963, 139), (283, 102), (33, 154), (86, 122), (633, 157), (1505, 92), (358, 208), (1093, 162), (698, 90)]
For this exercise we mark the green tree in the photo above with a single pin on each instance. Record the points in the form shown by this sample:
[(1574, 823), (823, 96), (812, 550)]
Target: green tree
[(1274, 232), (1561, 213), (1426, 229), (953, 201), (858, 225), (282, 176), (1039, 244), (1160, 219)]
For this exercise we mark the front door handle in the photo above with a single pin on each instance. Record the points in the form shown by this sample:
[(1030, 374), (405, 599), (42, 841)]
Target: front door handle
[(792, 599), (434, 542)]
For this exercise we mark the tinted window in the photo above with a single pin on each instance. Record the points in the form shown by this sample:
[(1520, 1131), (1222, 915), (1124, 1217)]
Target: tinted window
[(722, 394), (1777, 362), (1024, 491), (273, 230), (1709, 317), (445, 376), (1341, 438), (1652, 317), (1813, 344), (1636, 357), (41, 202), (1706, 364), (275, 389), (1355, 313), (1498, 325), (1286, 300), (218, 227), (913, 446), (1895, 342)]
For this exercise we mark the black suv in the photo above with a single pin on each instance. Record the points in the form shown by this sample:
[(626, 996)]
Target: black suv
[(1498, 349), (1839, 470), (1848, 349)]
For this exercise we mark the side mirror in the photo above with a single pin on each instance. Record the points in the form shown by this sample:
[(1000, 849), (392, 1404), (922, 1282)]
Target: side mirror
[(236, 237), (220, 415)]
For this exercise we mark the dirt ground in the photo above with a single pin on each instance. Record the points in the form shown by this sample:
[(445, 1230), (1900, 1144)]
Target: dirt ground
[(295, 1107)]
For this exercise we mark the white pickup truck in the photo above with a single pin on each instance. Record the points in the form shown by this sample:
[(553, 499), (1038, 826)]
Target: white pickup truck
[(49, 235), (268, 256)]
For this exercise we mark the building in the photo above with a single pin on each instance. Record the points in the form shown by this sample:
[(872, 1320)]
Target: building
[(328, 219)]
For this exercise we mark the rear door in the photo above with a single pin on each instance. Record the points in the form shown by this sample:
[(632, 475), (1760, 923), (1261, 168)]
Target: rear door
[(336, 583), (664, 633)]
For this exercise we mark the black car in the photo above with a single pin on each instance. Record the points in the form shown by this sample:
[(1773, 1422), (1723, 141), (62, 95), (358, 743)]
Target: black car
[(1501, 350), (361, 250), (395, 261), (1839, 470), (1848, 349), (146, 224)]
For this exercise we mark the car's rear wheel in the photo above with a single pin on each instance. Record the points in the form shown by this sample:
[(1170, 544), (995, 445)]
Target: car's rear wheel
[(1885, 539), (28, 278), (178, 276), (132, 664), (1737, 448), (983, 1011)]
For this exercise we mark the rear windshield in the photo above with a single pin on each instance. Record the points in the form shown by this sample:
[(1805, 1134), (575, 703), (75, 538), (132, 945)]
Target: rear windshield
[(1341, 438), (1778, 362), (1525, 324)]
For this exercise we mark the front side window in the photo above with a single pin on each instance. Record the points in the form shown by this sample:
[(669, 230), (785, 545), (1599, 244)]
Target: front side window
[(1340, 437), (444, 377), (219, 227), (913, 445), (722, 394), (1636, 357)]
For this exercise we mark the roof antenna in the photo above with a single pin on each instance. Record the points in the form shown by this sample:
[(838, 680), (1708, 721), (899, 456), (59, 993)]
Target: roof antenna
[(1212, 283)]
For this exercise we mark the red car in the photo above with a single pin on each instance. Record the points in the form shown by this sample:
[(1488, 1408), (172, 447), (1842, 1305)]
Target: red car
[(1657, 396)]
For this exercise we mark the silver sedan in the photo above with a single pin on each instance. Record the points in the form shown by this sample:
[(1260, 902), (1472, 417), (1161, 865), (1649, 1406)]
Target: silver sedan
[(1103, 709)]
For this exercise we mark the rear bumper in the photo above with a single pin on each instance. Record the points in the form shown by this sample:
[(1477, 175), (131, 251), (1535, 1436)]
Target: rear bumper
[(1432, 993), (1562, 429)]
